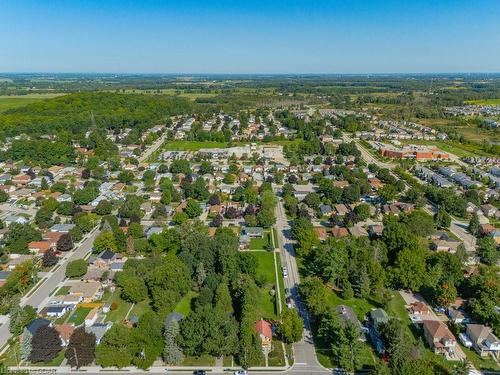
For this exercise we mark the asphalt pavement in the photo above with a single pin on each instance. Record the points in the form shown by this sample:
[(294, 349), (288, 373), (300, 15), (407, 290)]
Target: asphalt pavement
[(41, 295)]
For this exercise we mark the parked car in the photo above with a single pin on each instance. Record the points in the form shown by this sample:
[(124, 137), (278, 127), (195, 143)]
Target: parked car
[(241, 372), (199, 372), (285, 272), (465, 340), (289, 302)]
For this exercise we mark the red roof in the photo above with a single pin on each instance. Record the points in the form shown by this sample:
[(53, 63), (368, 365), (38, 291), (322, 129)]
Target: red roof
[(264, 328)]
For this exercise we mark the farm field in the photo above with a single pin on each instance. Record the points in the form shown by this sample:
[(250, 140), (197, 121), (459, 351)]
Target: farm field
[(485, 102), (9, 102)]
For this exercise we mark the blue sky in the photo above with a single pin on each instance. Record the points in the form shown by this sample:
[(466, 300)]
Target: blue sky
[(252, 36)]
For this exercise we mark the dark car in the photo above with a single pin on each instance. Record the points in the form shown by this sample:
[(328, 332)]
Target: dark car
[(199, 372)]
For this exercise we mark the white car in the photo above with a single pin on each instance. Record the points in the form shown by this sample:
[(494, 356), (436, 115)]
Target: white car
[(285, 272), (241, 372)]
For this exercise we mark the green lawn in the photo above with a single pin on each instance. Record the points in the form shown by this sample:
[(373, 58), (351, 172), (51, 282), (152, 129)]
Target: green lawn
[(191, 145), (184, 305), (276, 356), (361, 307), (203, 360), (140, 308), (120, 313), (63, 290), (260, 243), (266, 273), (275, 238), (78, 317), (55, 362), (366, 357), (481, 363)]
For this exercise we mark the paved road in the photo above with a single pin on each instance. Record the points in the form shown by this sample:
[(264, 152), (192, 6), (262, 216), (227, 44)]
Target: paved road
[(41, 296), (305, 360), (163, 371), (151, 149)]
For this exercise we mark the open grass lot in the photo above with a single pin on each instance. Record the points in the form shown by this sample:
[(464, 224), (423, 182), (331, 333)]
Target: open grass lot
[(361, 307), (277, 355), (484, 102), (204, 360), (266, 272), (15, 101), (79, 315), (191, 145), (195, 145), (121, 311), (184, 305)]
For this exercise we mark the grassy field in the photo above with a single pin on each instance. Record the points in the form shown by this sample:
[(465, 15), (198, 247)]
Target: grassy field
[(9, 102), (191, 145), (277, 355), (140, 308), (361, 307), (260, 243), (195, 145), (203, 360), (78, 317), (120, 313), (484, 102), (184, 305), (266, 272)]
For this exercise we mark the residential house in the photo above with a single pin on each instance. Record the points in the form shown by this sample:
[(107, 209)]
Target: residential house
[(62, 228), (65, 331), (36, 324), (358, 231), (99, 329), (21, 179), (40, 247), (439, 337), (91, 317), (483, 340), (450, 246), (265, 331), (321, 233), (488, 210), (376, 319), (90, 291), (15, 219), (418, 308), (341, 209), (254, 232), (104, 259), (455, 315), (57, 311), (325, 209), (339, 232), (375, 230)]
